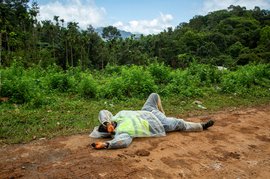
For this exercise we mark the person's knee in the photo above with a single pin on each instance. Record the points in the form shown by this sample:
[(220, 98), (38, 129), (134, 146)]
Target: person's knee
[(154, 94)]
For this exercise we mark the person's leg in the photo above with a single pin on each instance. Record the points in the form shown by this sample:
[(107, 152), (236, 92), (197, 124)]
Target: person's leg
[(153, 102), (174, 124), (160, 105)]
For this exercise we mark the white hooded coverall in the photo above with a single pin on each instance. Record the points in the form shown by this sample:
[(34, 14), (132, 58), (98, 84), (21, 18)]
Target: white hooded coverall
[(148, 122)]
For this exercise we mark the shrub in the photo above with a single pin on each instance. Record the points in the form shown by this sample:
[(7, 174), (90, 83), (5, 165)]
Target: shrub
[(112, 87), (133, 81), (21, 90), (206, 74), (160, 72), (87, 87), (183, 84), (245, 78), (113, 69), (60, 82)]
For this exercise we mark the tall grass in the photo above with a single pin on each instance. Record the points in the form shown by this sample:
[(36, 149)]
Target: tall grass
[(35, 84)]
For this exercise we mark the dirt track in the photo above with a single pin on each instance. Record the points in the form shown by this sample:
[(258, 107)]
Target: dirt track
[(238, 146)]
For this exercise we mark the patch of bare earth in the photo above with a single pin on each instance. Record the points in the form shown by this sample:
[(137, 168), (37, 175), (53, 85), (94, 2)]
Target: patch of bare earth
[(238, 146)]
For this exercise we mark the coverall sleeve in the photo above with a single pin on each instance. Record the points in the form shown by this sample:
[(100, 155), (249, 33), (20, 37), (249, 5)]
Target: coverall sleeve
[(120, 141)]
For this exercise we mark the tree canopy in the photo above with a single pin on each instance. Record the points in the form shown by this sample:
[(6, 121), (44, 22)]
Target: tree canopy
[(229, 37)]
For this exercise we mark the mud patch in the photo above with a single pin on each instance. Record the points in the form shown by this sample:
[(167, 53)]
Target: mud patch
[(263, 138), (174, 163), (142, 152), (229, 155)]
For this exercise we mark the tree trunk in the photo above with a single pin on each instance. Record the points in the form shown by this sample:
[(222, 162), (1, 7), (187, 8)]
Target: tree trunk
[(53, 50), (8, 48), (0, 48), (82, 59), (66, 53), (71, 54)]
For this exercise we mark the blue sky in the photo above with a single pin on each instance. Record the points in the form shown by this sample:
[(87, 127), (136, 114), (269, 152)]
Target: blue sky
[(137, 16)]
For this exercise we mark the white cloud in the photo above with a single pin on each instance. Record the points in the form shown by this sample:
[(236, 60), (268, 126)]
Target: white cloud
[(153, 26), (74, 10), (213, 5)]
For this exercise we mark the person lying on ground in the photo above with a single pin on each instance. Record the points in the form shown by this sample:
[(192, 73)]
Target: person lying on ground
[(150, 121)]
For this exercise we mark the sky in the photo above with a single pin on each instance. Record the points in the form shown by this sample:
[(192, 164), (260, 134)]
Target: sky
[(136, 16)]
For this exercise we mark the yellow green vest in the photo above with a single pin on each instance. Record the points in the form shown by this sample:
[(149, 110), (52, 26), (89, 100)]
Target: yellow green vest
[(134, 126)]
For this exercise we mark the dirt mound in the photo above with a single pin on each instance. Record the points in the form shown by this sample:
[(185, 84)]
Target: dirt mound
[(238, 146)]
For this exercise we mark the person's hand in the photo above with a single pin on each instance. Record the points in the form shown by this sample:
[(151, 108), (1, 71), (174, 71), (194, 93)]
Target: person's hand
[(110, 128), (100, 145)]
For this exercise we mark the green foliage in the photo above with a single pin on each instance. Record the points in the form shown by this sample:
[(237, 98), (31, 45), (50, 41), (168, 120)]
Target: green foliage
[(34, 86), (183, 84), (160, 72), (46, 110), (183, 60), (87, 87), (20, 87), (60, 81), (246, 58), (246, 78), (133, 81), (206, 74), (240, 35), (110, 33), (235, 49), (112, 69), (265, 36)]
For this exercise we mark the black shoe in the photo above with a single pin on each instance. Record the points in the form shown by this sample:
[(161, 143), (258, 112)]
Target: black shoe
[(207, 124)]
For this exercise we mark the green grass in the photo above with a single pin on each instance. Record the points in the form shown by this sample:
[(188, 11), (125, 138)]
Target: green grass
[(71, 114)]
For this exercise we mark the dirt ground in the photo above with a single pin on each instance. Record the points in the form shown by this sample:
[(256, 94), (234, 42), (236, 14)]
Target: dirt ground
[(238, 146)]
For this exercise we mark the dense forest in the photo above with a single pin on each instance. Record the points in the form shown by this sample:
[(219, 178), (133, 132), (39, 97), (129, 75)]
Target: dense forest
[(229, 37)]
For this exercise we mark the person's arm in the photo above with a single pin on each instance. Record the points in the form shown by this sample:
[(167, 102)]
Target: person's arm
[(119, 141)]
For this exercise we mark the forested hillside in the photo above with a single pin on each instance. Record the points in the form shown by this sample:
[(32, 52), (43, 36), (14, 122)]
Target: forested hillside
[(229, 37)]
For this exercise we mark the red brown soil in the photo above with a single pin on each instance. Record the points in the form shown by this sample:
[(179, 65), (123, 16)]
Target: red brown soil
[(238, 146)]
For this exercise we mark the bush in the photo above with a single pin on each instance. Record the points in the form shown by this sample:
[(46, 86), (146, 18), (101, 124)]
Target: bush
[(60, 82), (23, 85), (87, 87), (245, 78), (183, 84), (113, 69), (133, 81), (22, 90), (160, 72), (246, 58), (206, 74)]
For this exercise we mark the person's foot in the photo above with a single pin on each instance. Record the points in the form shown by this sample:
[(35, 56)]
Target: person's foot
[(207, 124)]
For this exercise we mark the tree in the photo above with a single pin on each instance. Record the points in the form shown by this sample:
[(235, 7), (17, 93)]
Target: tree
[(72, 36), (235, 49), (265, 36), (110, 33)]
